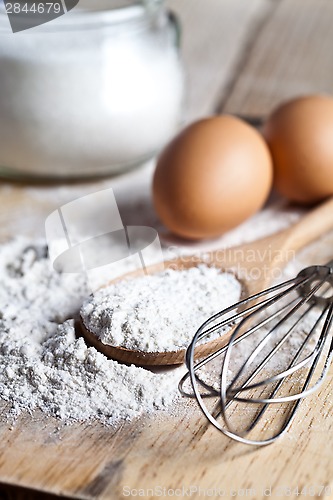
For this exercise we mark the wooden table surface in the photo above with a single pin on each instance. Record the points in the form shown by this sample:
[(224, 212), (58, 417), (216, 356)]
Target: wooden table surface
[(241, 56)]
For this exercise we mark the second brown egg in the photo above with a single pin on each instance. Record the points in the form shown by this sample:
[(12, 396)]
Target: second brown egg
[(299, 133)]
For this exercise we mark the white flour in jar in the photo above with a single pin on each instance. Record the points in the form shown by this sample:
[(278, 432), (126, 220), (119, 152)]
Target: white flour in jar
[(90, 93), (159, 313), (44, 365)]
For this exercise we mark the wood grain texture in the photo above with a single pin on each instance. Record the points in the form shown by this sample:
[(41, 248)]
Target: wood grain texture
[(214, 36), (291, 55)]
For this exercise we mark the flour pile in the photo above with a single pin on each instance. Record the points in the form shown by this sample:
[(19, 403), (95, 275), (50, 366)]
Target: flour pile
[(43, 364), (159, 313)]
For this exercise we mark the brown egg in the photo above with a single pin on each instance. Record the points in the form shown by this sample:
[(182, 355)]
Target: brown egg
[(215, 174), (300, 136)]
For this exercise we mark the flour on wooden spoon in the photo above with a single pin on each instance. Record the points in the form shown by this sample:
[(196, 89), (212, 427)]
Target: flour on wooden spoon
[(159, 313)]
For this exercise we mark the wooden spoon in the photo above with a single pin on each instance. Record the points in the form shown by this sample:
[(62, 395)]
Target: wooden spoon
[(253, 264)]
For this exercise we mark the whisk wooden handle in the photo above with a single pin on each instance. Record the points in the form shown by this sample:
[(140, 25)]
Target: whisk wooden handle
[(313, 225)]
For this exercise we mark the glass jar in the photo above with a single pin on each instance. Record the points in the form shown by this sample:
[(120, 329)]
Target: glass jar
[(93, 92)]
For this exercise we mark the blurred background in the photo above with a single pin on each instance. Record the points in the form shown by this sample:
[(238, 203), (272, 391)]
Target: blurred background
[(236, 56)]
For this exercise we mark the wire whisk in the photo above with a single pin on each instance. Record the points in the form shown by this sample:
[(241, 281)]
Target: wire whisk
[(279, 351)]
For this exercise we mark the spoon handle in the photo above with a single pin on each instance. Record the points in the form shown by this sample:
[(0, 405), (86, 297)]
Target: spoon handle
[(311, 227)]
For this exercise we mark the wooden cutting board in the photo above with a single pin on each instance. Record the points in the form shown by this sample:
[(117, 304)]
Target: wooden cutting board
[(171, 450)]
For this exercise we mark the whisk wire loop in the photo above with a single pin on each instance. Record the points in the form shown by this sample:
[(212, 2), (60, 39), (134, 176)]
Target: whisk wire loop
[(203, 331), (269, 313), (233, 393), (266, 339)]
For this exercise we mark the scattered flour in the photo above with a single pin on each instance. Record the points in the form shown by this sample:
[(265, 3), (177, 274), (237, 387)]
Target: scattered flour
[(44, 365), (158, 313)]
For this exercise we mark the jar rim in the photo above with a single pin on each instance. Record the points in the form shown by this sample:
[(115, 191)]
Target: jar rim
[(133, 14)]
